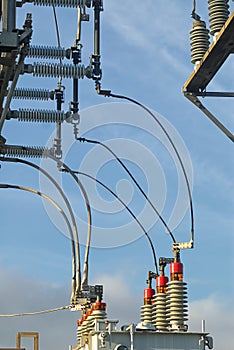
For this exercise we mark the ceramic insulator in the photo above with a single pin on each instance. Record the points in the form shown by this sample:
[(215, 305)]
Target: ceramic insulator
[(218, 14), (177, 305)]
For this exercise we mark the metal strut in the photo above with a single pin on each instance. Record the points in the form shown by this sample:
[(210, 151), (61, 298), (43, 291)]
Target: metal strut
[(23, 40), (96, 62)]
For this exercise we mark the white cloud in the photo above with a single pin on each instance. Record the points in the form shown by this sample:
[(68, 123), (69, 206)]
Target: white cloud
[(219, 316), (209, 174), (19, 294), (144, 25), (122, 302)]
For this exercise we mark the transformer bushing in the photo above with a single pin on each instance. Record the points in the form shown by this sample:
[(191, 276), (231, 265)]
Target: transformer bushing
[(199, 41), (160, 311), (218, 15), (177, 299)]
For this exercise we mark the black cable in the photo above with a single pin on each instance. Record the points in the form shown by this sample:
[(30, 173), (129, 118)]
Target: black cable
[(75, 247), (107, 93), (28, 189), (82, 139), (128, 209), (57, 30), (58, 38), (89, 214)]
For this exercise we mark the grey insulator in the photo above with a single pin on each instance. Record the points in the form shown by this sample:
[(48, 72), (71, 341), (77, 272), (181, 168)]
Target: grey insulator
[(48, 52), (57, 70), (199, 41), (160, 312), (42, 116), (177, 306), (32, 94), (79, 333), (63, 3), (147, 314), (25, 151), (218, 14)]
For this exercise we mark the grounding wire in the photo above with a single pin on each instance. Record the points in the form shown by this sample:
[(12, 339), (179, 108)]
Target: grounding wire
[(82, 139), (108, 93), (57, 31), (74, 238), (128, 209), (37, 312), (84, 282), (78, 34), (43, 195)]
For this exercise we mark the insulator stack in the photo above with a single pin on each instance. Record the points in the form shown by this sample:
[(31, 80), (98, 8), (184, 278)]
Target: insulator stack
[(79, 330), (48, 52), (147, 314), (218, 14), (56, 70), (62, 3), (160, 306), (25, 151), (98, 311), (41, 116), (177, 299), (199, 41), (32, 94), (84, 324), (90, 318), (177, 306), (147, 310), (81, 326)]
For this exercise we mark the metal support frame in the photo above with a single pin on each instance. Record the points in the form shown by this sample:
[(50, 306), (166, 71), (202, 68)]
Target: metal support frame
[(195, 100), (8, 15), (216, 55), (97, 72), (34, 335), (10, 49)]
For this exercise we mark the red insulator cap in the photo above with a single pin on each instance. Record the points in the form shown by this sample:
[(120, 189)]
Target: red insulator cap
[(83, 318), (79, 322), (161, 281), (176, 267), (148, 293), (88, 312), (98, 306)]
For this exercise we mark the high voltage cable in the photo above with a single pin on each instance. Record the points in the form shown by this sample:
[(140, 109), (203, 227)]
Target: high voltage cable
[(37, 312), (82, 139), (89, 215), (128, 209), (107, 93), (75, 239), (58, 37), (28, 189)]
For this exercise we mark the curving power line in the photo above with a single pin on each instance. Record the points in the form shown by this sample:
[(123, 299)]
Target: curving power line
[(58, 36), (108, 93), (28, 189), (128, 209), (74, 239), (80, 284), (82, 139), (37, 312)]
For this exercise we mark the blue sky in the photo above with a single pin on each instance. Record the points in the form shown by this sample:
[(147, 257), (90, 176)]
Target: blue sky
[(145, 55)]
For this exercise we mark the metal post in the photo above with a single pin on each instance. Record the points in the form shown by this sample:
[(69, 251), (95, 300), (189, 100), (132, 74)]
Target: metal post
[(58, 139), (97, 4), (8, 15)]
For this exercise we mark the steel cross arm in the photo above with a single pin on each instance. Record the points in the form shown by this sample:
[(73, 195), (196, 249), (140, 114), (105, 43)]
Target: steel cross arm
[(214, 94), (195, 100)]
